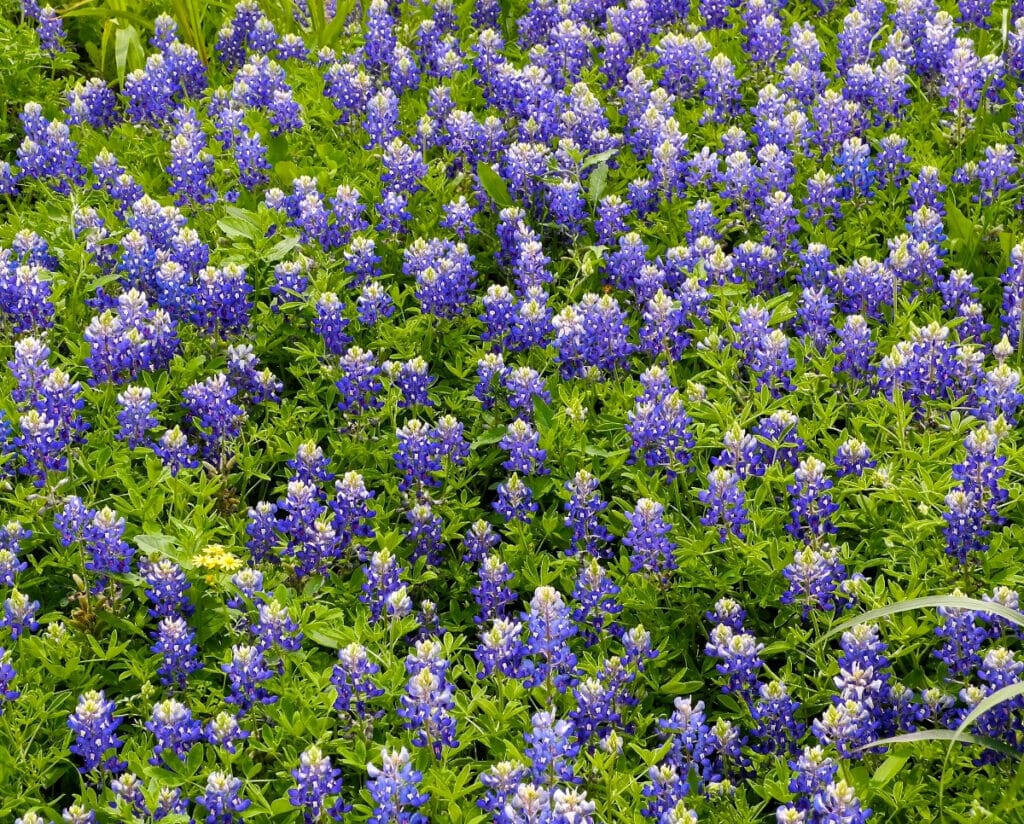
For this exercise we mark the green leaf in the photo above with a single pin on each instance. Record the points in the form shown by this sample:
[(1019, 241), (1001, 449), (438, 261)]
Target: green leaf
[(953, 736), (542, 411), (494, 184), (990, 702), (282, 248), (236, 227), (889, 769), (601, 158), (597, 183), (128, 51), (930, 602)]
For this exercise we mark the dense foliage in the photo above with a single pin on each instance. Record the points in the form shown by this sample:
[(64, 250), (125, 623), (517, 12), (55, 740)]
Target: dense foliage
[(511, 411)]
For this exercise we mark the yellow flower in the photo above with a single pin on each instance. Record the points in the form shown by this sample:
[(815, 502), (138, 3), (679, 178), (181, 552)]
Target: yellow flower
[(217, 559)]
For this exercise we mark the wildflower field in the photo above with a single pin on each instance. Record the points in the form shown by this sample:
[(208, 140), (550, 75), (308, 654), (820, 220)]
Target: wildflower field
[(514, 411)]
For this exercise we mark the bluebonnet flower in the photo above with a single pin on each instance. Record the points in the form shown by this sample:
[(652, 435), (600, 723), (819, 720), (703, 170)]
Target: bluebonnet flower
[(523, 385), (515, 500), (212, 410), (330, 323), (551, 749), (175, 451), (222, 798), (999, 393), (774, 712), (349, 87), (127, 789), (393, 786), (290, 282), (550, 628), (25, 296), (362, 260), (688, 762), (108, 552), (728, 612), (838, 802), (247, 672), (381, 118), (78, 814), (853, 458), (175, 642), (383, 591), (500, 781), (94, 724), (174, 728), (490, 370), (501, 649), (404, 167), (41, 447), (855, 347), (427, 702), (425, 532), (276, 628), (352, 514), (595, 593), (499, 309), (359, 383), (413, 379), (812, 505), (262, 529), (611, 219), (310, 464), (191, 165), (963, 639), (739, 654), (374, 303), (223, 301), (862, 709), (521, 441), (658, 424), (11, 536), (19, 614), (91, 102), (136, 416), (778, 440), (167, 588), (352, 677), (460, 217), (50, 31), (478, 541), (591, 337), (316, 779), (1012, 314), (223, 731), (972, 509), (815, 314), (726, 502), (651, 551), (582, 509), (963, 78), (417, 456), (531, 325), (395, 216), (492, 594), (71, 520), (817, 580), (47, 153), (664, 327)]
